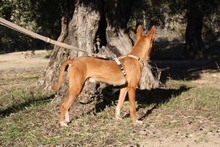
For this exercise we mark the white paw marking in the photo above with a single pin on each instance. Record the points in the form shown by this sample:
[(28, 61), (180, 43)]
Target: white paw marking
[(138, 122), (67, 117), (63, 124), (117, 114)]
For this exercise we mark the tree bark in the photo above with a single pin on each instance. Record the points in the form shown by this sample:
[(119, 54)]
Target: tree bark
[(117, 16), (83, 25), (90, 25), (194, 46)]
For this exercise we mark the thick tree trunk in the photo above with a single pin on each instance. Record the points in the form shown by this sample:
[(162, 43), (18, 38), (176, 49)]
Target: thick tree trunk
[(194, 46), (117, 16), (90, 25), (79, 29)]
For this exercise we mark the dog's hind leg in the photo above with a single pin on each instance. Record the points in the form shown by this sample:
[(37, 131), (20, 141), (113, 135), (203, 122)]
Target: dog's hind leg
[(122, 95), (64, 109), (75, 87)]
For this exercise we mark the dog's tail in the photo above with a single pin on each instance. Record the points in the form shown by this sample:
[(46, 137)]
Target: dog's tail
[(60, 77)]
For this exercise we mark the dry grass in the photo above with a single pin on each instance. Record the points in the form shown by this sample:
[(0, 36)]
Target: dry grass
[(174, 113)]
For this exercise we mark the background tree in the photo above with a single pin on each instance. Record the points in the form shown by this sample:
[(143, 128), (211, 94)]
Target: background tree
[(197, 10), (44, 17), (202, 18), (84, 22)]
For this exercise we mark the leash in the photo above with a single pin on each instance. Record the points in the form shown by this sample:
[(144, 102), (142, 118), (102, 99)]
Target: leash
[(17, 28)]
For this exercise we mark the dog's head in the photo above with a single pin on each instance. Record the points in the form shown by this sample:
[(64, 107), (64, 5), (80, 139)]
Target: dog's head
[(145, 42)]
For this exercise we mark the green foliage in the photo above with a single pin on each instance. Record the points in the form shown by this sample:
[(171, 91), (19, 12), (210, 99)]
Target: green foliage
[(156, 11), (159, 12), (42, 16)]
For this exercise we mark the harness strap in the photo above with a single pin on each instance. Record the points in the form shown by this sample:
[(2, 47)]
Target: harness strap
[(139, 59), (121, 67)]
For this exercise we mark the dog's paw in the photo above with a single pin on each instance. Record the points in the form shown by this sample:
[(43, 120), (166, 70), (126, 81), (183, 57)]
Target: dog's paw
[(63, 124), (118, 117), (117, 114), (138, 122), (67, 120), (67, 117)]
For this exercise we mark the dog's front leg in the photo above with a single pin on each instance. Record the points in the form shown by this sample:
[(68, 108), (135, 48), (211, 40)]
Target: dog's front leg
[(122, 95), (131, 95)]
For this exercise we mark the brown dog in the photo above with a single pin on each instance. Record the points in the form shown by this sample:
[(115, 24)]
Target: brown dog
[(107, 71)]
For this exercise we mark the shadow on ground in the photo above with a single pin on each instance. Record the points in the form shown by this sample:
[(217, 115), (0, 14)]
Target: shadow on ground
[(186, 69), (144, 97), (21, 106), (170, 69)]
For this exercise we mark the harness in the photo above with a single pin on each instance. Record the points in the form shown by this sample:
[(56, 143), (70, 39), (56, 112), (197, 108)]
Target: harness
[(121, 66)]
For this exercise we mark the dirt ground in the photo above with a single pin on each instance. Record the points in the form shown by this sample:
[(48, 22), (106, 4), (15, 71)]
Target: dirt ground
[(23, 60), (199, 131)]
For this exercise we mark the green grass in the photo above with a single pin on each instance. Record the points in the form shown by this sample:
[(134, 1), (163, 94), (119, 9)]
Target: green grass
[(197, 97)]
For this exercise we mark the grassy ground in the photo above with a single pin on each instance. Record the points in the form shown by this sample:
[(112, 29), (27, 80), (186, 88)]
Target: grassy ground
[(182, 112)]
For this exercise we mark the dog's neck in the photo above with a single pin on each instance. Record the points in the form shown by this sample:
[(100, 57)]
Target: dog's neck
[(142, 51)]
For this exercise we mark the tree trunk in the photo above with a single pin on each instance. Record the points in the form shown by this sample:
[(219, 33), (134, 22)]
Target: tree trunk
[(117, 16), (90, 25), (194, 46)]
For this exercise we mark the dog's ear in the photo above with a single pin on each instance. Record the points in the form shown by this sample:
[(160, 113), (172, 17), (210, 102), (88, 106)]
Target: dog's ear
[(151, 33), (139, 32)]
